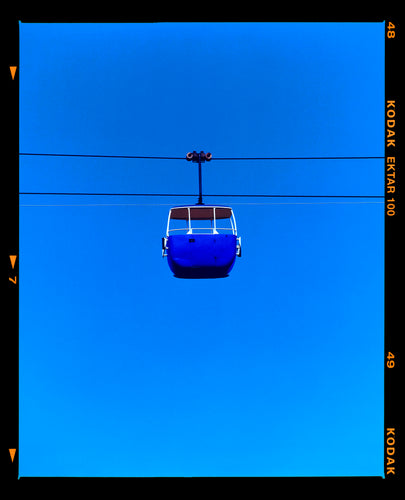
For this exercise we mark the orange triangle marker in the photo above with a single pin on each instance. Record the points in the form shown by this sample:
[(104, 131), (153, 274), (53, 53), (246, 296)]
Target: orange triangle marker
[(13, 69), (12, 454), (13, 259)]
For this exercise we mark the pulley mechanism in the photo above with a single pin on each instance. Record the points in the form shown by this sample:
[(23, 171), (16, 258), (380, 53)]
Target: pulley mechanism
[(200, 157)]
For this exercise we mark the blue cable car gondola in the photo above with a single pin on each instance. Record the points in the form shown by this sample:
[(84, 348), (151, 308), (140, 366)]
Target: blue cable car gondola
[(197, 249), (197, 244)]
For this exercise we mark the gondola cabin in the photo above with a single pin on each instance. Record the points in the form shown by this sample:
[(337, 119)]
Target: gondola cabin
[(201, 241)]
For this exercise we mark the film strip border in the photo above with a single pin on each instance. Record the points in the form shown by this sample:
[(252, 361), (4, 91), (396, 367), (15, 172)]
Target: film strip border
[(10, 247), (392, 249)]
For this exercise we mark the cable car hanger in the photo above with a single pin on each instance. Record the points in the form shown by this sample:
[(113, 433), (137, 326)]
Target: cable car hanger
[(199, 158)]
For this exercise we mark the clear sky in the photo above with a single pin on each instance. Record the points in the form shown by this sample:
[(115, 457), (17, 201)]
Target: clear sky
[(274, 371)]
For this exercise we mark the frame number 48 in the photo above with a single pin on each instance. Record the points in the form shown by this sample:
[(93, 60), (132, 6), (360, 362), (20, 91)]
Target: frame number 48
[(391, 30)]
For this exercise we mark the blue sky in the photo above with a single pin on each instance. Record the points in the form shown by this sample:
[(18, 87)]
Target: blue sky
[(274, 371)]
